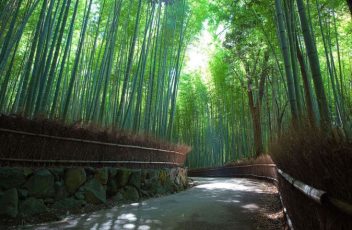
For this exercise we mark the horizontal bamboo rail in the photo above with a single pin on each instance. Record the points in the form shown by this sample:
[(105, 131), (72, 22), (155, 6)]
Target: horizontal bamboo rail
[(87, 141), (87, 162), (317, 195), (313, 193)]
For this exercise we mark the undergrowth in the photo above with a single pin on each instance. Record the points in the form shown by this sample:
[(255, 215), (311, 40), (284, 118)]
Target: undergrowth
[(40, 148), (263, 159), (317, 158)]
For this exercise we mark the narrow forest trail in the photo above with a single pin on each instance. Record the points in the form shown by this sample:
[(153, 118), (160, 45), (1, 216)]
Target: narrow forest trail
[(215, 203)]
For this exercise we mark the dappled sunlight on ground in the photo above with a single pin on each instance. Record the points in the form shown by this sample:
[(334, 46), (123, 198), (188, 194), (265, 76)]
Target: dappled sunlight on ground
[(217, 186), (216, 203), (250, 207)]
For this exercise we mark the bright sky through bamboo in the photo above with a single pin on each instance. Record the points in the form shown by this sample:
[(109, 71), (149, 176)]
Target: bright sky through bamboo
[(202, 49)]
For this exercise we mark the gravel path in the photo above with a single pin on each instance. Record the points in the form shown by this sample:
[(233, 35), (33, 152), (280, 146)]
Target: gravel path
[(215, 203)]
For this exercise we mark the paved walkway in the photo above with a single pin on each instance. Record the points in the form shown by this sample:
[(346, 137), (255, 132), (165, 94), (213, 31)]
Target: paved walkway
[(215, 203)]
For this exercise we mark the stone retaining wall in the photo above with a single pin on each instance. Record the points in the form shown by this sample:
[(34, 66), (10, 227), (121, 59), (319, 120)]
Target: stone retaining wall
[(26, 192)]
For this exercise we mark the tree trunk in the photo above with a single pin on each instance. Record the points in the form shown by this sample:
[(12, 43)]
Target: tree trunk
[(255, 108), (257, 130)]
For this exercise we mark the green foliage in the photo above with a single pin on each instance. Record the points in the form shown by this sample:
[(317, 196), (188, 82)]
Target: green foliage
[(243, 82), (92, 61)]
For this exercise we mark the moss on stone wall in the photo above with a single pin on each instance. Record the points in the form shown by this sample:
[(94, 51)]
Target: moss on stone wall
[(58, 190)]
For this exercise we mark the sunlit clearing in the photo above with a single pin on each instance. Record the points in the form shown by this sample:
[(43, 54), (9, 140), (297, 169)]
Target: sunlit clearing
[(95, 227), (106, 225), (250, 207), (227, 186), (201, 50), (129, 217), (275, 216), (229, 201), (129, 226), (143, 227)]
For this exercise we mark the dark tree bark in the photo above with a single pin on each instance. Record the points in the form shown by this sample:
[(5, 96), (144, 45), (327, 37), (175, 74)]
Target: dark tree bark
[(255, 107), (257, 129)]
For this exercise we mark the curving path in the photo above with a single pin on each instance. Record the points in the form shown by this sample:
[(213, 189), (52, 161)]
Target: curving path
[(215, 203)]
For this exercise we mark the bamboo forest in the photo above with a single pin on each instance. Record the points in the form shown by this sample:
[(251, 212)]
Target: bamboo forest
[(226, 77)]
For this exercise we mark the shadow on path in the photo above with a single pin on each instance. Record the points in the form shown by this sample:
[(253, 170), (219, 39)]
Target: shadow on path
[(215, 203)]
